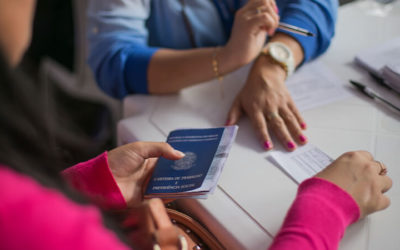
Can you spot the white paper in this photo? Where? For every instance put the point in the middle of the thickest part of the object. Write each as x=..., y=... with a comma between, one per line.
x=315, y=85
x=303, y=163
x=374, y=59
x=391, y=73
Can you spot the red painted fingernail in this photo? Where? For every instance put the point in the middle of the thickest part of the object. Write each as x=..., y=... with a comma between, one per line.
x=267, y=145
x=303, y=138
x=276, y=9
x=291, y=145
x=227, y=122
x=303, y=125
x=271, y=32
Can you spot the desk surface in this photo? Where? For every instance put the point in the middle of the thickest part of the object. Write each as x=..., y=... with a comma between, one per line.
x=249, y=212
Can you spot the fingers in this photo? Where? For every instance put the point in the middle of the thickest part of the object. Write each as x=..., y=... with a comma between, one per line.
x=149, y=224
x=167, y=237
x=279, y=126
x=381, y=168
x=262, y=14
x=159, y=214
x=157, y=149
x=383, y=203
x=267, y=21
x=234, y=113
x=274, y=9
x=386, y=183
x=284, y=124
x=293, y=126
x=259, y=3
x=359, y=175
x=297, y=114
x=366, y=154
x=258, y=120
x=265, y=16
x=273, y=5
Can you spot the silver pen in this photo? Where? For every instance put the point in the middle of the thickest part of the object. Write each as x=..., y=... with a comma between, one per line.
x=295, y=29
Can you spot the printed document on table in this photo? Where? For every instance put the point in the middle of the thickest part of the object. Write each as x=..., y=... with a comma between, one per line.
x=315, y=85
x=303, y=163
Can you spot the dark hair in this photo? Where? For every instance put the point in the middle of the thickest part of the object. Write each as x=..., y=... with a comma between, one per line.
x=29, y=144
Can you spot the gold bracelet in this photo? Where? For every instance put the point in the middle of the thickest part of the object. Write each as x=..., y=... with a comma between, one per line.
x=215, y=64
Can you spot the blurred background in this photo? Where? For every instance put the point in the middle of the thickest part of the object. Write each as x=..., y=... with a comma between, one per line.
x=56, y=61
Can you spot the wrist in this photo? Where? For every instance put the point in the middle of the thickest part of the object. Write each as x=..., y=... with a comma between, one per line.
x=292, y=43
x=280, y=54
x=229, y=60
x=269, y=69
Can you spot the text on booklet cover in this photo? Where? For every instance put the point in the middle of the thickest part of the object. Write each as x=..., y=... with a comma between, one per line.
x=202, y=148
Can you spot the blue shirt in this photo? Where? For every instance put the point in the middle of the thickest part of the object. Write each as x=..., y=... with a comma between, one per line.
x=124, y=34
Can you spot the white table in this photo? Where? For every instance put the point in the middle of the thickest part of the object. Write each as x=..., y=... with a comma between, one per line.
x=253, y=195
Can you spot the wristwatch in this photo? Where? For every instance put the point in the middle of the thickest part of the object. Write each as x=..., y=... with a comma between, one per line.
x=281, y=55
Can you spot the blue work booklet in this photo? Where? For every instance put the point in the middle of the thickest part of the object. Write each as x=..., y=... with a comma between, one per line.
x=196, y=174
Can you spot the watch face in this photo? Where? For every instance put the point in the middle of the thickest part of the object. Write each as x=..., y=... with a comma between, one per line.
x=279, y=52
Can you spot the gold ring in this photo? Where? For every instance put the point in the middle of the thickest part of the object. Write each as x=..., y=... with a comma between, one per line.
x=258, y=11
x=272, y=116
x=383, y=169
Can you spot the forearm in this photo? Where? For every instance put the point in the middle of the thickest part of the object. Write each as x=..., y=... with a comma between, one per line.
x=172, y=70
x=317, y=218
x=270, y=69
x=94, y=179
x=317, y=16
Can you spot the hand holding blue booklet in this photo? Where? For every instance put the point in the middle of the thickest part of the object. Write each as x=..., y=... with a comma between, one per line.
x=196, y=174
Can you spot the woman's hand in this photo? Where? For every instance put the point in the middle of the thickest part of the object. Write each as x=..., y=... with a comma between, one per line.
x=267, y=102
x=132, y=163
x=148, y=224
x=249, y=32
x=363, y=178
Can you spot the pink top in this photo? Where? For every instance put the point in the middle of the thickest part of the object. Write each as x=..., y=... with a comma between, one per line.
x=36, y=217
x=317, y=218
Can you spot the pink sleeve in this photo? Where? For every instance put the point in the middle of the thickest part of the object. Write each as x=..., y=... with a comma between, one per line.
x=35, y=217
x=94, y=178
x=317, y=218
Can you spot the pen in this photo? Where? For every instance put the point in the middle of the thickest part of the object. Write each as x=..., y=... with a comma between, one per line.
x=371, y=94
x=295, y=29
x=382, y=82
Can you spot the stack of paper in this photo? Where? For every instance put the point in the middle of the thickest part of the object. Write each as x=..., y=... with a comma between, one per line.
x=383, y=61
x=196, y=175
x=391, y=73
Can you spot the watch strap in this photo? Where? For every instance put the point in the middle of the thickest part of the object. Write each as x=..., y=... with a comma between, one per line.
x=286, y=63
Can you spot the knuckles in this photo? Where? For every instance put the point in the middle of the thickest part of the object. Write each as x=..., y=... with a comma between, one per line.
x=278, y=122
x=289, y=116
x=350, y=154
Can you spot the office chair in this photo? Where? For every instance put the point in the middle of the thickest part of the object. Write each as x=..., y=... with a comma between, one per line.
x=90, y=112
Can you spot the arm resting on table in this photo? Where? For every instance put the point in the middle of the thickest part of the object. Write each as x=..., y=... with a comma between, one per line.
x=317, y=218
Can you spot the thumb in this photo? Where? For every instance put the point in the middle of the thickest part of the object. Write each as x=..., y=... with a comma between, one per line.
x=157, y=149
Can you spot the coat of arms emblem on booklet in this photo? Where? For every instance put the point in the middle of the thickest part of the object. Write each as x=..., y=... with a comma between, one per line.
x=195, y=175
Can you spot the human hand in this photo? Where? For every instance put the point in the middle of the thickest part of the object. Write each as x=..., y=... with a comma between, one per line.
x=363, y=178
x=148, y=224
x=267, y=102
x=132, y=163
x=251, y=25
